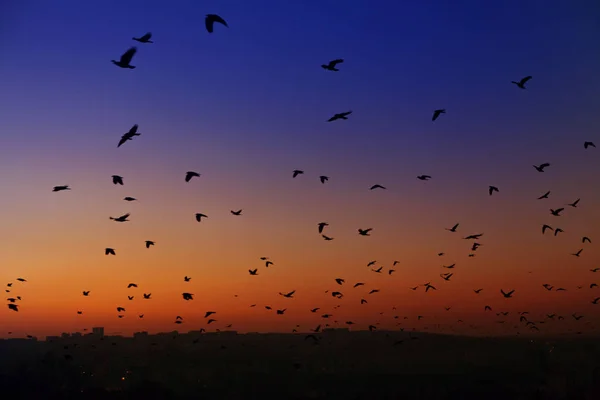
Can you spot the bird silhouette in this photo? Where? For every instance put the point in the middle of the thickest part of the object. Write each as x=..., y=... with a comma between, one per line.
x=343, y=115
x=210, y=19
x=125, y=60
x=492, y=189
x=253, y=271
x=145, y=38
x=297, y=172
x=199, y=216
x=556, y=212
x=109, y=251
x=588, y=144
x=541, y=167
x=238, y=212
x=365, y=232
x=117, y=180
x=188, y=296
x=149, y=243
x=574, y=204
x=331, y=65
x=129, y=198
x=424, y=177
x=122, y=218
x=322, y=225
x=61, y=188
x=585, y=239
x=453, y=229
x=544, y=196
x=133, y=132
x=522, y=82
x=323, y=178
x=190, y=174
x=507, y=294
x=437, y=113
x=377, y=187
x=546, y=227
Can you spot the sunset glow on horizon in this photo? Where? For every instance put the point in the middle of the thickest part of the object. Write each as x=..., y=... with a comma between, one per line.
x=247, y=105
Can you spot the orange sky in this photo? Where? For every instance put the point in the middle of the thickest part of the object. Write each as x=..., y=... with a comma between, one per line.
x=245, y=107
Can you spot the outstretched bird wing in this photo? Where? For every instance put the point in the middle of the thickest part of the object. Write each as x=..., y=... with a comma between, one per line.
x=127, y=56
x=524, y=80
x=210, y=21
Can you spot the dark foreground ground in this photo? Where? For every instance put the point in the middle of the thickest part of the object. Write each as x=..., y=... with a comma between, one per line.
x=359, y=365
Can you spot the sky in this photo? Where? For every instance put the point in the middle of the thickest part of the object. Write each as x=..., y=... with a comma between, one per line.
x=247, y=105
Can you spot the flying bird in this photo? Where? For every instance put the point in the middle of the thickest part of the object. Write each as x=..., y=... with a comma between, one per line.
x=331, y=65
x=574, y=204
x=129, y=198
x=322, y=225
x=541, y=167
x=424, y=177
x=377, y=186
x=588, y=144
x=323, y=178
x=190, y=174
x=437, y=113
x=117, y=180
x=122, y=218
x=364, y=232
x=129, y=135
x=109, y=251
x=492, y=189
x=556, y=212
x=145, y=38
x=337, y=116
x=149, y=243
x=453, y=229
x=545, y=227
x=125, y=60
x=199, y=216
x=60, y=188
x=238, y=212
x=522, y=82
x=297, y=172
x=507, y=294
x=210, y=20
x=544, y=196
x=585, y=239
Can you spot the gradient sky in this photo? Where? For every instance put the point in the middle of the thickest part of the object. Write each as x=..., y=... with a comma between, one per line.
x=247, y=105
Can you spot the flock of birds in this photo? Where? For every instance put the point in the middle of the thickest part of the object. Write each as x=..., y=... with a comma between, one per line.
x=210, y=20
